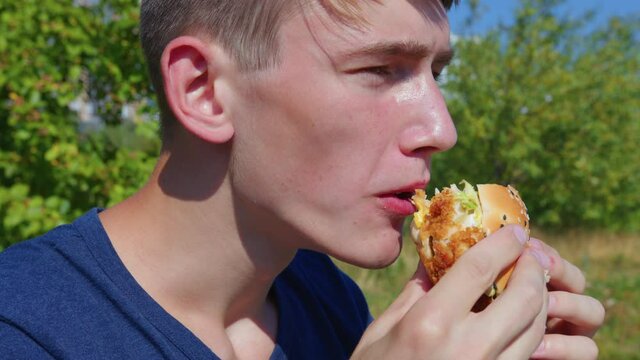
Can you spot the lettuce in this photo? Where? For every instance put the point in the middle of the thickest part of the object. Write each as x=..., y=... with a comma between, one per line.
x=468, y=200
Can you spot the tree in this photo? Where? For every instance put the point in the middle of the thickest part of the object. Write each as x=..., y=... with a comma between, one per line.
x=554, y=112
x=54, y=54
x=537, y=105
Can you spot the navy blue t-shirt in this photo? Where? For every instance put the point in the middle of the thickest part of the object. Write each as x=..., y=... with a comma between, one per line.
x=67, y=295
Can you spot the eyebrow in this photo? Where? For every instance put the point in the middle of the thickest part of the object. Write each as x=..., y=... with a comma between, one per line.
x=408, y=49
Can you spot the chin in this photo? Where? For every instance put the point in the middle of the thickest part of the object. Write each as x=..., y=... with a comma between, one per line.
x=372, y=254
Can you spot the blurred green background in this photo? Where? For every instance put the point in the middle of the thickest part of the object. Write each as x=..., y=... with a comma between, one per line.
x=546, y=103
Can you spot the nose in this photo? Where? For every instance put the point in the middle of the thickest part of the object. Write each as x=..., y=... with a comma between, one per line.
x=430, y=128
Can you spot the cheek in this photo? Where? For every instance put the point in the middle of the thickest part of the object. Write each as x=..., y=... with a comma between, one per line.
x=309, y=163
x=315, y=143
x=318, y=138
x=344, y=148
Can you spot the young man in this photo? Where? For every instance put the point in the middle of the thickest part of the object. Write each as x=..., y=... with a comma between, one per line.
x=291, y=130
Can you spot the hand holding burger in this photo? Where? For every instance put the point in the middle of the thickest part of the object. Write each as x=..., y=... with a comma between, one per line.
x=438, y=322
x=455, y=219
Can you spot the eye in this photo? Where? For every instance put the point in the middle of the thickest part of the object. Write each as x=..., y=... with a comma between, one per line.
x=380, y=75
x=378, y=70
x=374, y=76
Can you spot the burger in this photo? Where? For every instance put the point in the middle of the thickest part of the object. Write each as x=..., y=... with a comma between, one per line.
x=455, y=219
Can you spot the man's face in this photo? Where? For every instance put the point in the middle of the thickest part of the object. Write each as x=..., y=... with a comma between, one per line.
x=328, y=145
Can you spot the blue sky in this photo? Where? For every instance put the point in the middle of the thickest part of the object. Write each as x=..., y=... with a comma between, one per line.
x=494, y=11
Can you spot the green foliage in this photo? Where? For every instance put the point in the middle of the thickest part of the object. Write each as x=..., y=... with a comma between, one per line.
x=619, y=338
x=53, y=53
x=553, y=111
x=537, y=105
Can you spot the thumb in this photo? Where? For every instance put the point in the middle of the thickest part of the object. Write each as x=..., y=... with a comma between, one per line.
x=415, y=289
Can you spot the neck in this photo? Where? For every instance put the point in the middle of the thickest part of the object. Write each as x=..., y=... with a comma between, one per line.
x=186, y=243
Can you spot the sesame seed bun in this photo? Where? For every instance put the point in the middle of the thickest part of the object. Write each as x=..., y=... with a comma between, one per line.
x=453, y=220
x=501, y=205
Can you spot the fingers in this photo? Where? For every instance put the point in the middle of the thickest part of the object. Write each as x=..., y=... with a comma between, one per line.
x=521, y=310
x=528, y=340
x=415, y=288
x=477, y=269
x=566, y=347
x=584, y=314
x=564, y=275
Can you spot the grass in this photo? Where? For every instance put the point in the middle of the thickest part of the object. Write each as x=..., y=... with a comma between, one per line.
x=610, y=262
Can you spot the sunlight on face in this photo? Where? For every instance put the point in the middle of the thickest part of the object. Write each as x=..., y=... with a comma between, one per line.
x=412, y=91
x=350, y=119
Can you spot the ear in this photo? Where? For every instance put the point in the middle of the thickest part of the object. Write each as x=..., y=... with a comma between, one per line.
x=190, y=71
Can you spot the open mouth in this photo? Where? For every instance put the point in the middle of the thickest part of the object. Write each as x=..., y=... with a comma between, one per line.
x=405, y=195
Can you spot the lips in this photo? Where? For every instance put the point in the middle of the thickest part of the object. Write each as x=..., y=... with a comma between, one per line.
x=398, y=202
x=396, y=205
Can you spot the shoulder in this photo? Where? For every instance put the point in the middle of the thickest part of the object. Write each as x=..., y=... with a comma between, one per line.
x=33, y=268
x=35, y=257
x=50, y=248
x=35, y=288
x=50, y=276
x=54, y=290
x=37, y=249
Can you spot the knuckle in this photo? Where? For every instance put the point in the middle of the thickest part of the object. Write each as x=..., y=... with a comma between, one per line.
x=432, y=326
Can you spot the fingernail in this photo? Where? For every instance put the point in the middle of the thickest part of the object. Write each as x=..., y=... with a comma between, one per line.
x=521, y=234
x=543, y=259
